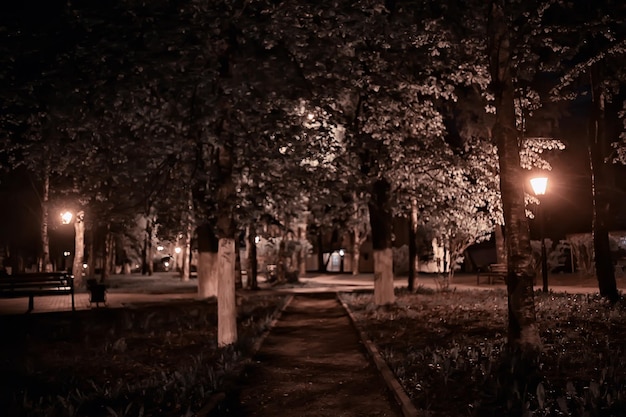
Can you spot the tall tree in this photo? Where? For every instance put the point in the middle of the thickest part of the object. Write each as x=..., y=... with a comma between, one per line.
x=523, y=330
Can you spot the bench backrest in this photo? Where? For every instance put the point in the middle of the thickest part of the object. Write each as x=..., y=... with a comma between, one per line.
x=58, y=280
x=498, y=268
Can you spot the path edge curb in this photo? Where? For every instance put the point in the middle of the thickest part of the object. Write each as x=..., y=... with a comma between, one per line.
x=400, y=395
x=259, y=342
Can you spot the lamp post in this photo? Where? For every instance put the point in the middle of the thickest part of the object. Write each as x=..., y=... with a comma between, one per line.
x=539, y=185
x=79, y=243
x=342, y=254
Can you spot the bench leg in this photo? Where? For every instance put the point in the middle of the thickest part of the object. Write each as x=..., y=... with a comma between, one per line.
x=31, y=303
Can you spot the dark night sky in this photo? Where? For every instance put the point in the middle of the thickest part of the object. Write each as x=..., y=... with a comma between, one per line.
x=568, y=204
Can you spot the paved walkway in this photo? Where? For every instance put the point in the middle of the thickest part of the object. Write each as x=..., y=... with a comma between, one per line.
x=50, y=303
x=313, y=364
x=152, y=292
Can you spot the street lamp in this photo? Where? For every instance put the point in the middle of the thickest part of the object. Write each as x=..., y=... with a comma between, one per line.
x=539, y=185
x=66, y=217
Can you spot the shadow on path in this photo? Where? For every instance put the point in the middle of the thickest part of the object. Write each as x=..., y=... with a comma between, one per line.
x=312, y=364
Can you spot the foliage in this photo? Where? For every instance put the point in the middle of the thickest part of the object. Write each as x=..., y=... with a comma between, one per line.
x=154, y=99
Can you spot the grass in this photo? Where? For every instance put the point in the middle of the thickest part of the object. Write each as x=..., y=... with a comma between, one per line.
x=148, y=359
x=448, y=349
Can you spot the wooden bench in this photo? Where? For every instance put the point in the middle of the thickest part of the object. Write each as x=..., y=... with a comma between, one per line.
x=37, y=283
x=493, y=272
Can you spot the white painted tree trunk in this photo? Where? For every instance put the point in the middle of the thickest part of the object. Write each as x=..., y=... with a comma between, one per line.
x=226, y=303
x=207, y=274
x=383, y=277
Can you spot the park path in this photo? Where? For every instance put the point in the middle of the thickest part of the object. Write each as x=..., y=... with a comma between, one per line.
x=313, y=364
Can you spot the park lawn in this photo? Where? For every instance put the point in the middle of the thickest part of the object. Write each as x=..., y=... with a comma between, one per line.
x=148, y=359
x=448, y=349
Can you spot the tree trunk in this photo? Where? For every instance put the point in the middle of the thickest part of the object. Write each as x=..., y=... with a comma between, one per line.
x=238, y=275
x=500, y=245
x=208, y=246
x=360, y=232
x=280, y=262
x=44, y=261
x=600, y=191
x=381, y=224
x=321, y=266
x=356, y=236
x=226, y=232
x=523, y=332
x=79, y=249
x=208, y=274
x=301, y=258
x=112, y=253
x=356, y=252
x=253, y=264
x=148, y=264
x=144, y=256
x=106, y=253
x=226, y=301
x=185, y=252
x=91, y=269
x=413, y=259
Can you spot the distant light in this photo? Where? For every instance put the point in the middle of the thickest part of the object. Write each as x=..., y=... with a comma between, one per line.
x=66, y=217
x=341, y=252
x=539, y=184
x=257, y=239
x=66, y=253
x=160, y=248
x=84, y=266
x=166, y=264
x=177, y=249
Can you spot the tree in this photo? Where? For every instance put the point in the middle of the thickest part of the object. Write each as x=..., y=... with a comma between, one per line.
x=523, y=331
x=589, y=42
x=461, y=216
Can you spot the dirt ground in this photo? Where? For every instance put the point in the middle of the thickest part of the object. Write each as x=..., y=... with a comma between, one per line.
x=312, y=364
